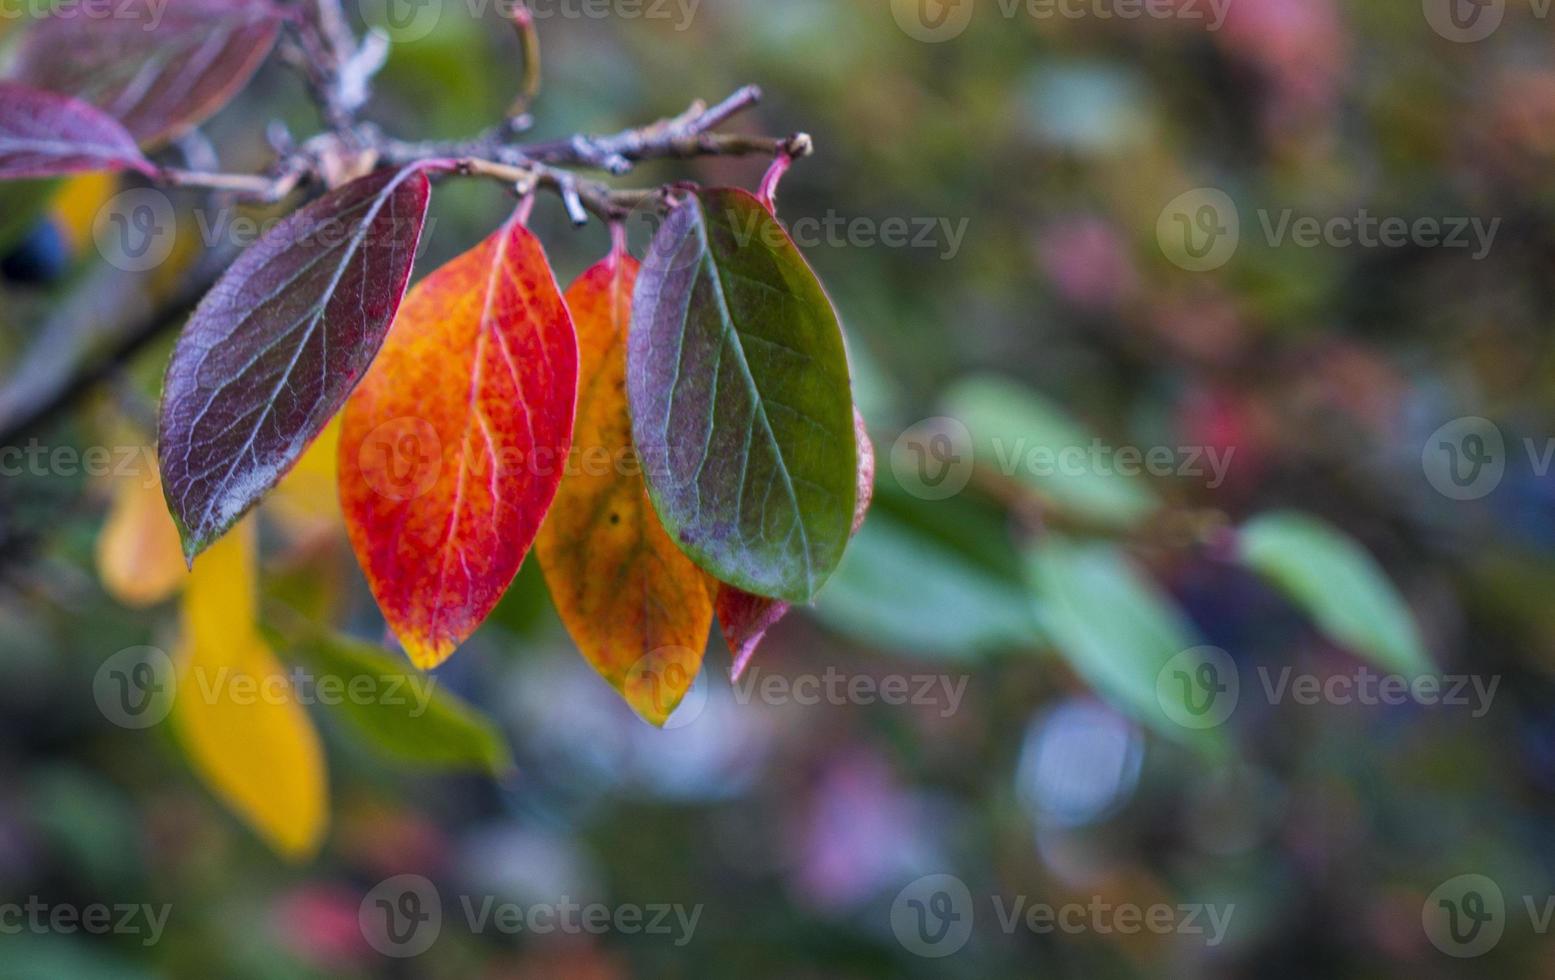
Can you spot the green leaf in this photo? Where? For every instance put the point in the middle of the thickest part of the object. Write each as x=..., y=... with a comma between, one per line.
x=1028, y=438
x=900, y=588
x=1120, y=633
x=407, y=716
x=1338, y=584
x=742, y=410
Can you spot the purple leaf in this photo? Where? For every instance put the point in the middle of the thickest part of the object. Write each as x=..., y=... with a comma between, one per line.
x=278, y=344
x=160, y=69
x=45, y=135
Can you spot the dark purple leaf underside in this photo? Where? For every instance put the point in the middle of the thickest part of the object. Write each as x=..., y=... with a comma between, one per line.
x=742, y=409
x=43, y=134
x=159, y=70
x=278, y=344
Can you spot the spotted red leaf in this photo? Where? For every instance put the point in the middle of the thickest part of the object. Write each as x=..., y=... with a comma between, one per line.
x=43, y=134
x=275, y=348
x=160, y=69
x=452, y=448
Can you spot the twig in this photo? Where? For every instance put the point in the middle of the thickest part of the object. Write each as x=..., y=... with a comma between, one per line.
x=529, y=50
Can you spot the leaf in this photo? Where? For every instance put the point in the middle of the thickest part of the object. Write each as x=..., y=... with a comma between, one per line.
x=275, y=348
x=139, y=559
x=742, y=411
x=1337, y=583
x=745, y=618
x=1028, y=439
x=453, y=446
x=235, y=713
x=160, y=69
x=638, y=609
x=306, y=503
x=408, y=718
x=1115, y=628
x=902, y=590
x=43, y=134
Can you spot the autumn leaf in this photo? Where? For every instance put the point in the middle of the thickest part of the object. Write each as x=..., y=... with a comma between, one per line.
x=638, y=609
x=44, y=134
x=454, y=444
x=306, y=503
x=743, y=618
x=235, y=712
x=139, y=559
x=159, y=70
x=275, y=348
x=742, y=409
x=421, y=724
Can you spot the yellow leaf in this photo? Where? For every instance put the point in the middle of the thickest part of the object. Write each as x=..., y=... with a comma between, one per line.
x=306, y=503
x=139, y=557
x=638, y=609
x=235, y=710
x=77, y=204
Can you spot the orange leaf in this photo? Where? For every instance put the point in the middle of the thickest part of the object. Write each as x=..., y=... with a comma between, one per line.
x=235, y=711
x=139, y=557
x=453, y=445
x=637, y=607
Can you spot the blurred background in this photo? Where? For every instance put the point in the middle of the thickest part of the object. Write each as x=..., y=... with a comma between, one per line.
x=1227, y=259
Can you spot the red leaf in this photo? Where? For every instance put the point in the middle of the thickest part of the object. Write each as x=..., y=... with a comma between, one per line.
x=744, y=618
x=276, y=346
x=43, y=134
x=453, y=446
x=159, y=69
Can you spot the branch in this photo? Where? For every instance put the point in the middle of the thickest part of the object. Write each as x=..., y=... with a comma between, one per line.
x=523, y=166
x=23, y=419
